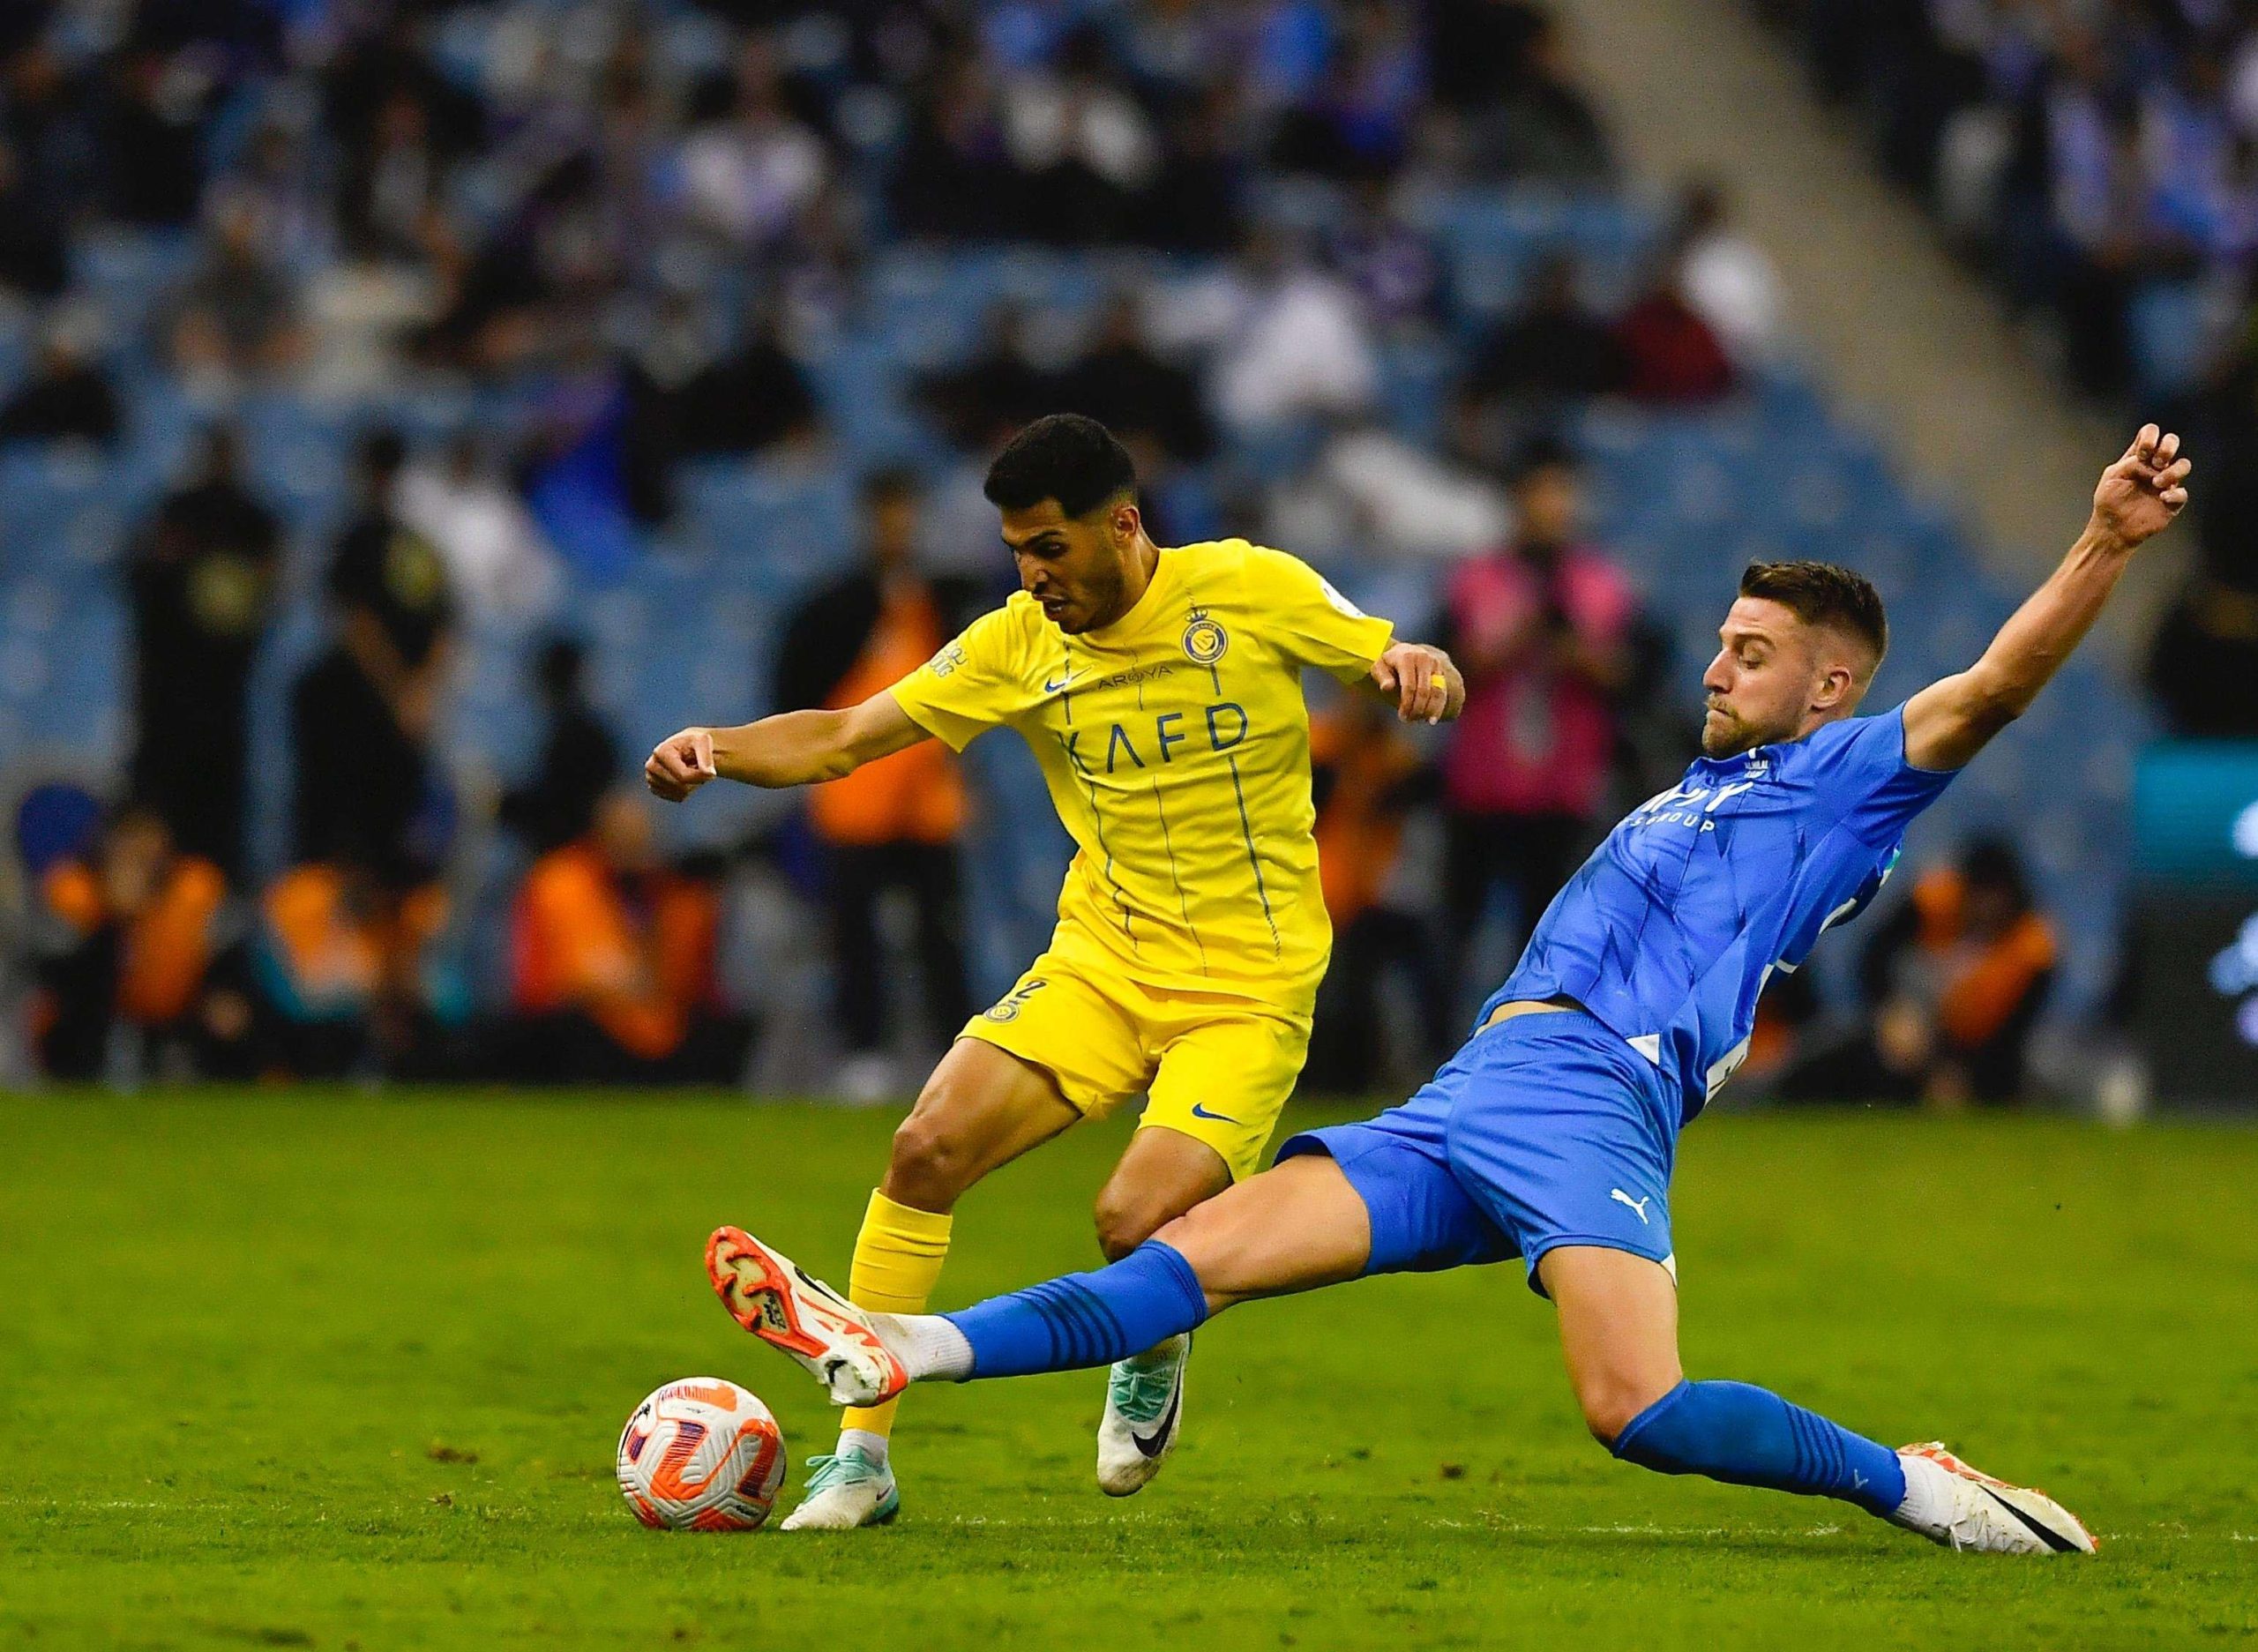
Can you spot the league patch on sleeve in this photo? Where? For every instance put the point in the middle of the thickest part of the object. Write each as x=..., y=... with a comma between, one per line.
x=1342, y=605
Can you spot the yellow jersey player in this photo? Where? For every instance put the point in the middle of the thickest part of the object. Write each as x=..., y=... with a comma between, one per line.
x=1159, y=689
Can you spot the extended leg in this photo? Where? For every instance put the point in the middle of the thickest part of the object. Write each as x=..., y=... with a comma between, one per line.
x=1619, y=1332
x=1293, y=1227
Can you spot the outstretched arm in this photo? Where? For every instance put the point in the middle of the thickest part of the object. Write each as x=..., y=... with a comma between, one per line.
x=797, y=748
x=1952, y=720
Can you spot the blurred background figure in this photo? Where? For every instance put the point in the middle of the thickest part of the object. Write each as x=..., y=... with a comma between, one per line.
x=613, y=964
x=891, y=826
x=580, y=755
x=204, y=577
x=1539, y=627
x=365, y=715
x=1368, y=779
x=1952, y=982
x=646, y=297
x=135, y=938
x=68, y=397
x=496, y=559
x=340, y=953
x=236, y=317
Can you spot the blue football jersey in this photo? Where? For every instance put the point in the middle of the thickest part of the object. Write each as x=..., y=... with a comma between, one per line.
x=1670, y=930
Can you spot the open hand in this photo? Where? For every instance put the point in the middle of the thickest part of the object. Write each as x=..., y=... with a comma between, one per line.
x=680, y=764
x=2140, y=493
x=1426, y=686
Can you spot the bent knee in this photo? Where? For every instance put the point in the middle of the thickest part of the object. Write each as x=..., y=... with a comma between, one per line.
x=1611, y=1404
x=931, y=1160
x=1126, y=1217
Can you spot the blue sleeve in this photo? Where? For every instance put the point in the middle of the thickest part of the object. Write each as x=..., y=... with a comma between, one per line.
x=1859, y=765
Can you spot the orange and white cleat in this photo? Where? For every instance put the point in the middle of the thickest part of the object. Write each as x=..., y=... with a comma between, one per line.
x=774, y=1298
x=1977, y=1513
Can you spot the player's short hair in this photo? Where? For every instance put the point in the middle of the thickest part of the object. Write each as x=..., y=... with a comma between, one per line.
x=1062, y=456
x=1823, y=593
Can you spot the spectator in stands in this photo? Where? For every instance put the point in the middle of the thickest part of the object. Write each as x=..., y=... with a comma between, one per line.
x=1729, y=280
x=579, y=757
x=34, y=257
x=497, y=560
x=151, y=138
x=68, y=397
x=614, y=963
x=1356, y=125
x=2202, y=666
x=201, y=582
x=1366, y=779
x=1389, y=261
x=1553, y=348
x=979, y=403
x=1195, y=205
x=1539, y=627
x=891, y=825
x=1294, y=344
x=136, y=937
x=1670, y=355
x=748, y=165
x=389, y=195
x=952, y=175
x=236, y=317
x=340, y=951
x=364, y=714
x=1478, y=50
x=1956, y=978
x=1084, y=149
x=1540, y=122
x=1126, y=385
x=755, y=399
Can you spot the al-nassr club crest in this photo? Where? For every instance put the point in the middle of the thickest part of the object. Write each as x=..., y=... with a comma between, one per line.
x=1204, y=641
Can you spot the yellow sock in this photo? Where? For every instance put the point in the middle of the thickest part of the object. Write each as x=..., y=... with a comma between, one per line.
x=898, y=1257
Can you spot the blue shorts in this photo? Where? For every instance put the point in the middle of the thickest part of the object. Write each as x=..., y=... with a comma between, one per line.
x=1543, y=1130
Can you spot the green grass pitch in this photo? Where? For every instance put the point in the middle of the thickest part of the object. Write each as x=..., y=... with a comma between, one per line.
x=329, y=1371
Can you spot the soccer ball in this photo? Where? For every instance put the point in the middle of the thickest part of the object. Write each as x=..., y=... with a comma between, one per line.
x=701, y=1455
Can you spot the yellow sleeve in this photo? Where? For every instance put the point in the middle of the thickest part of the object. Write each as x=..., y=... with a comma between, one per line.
x=1313, y=623
x=970, y=686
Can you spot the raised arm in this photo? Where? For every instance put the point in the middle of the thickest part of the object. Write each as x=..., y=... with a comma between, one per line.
x=797, y=748
x=1952, y=720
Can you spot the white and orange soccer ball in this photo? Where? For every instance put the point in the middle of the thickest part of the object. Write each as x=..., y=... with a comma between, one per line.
x=701, y=1455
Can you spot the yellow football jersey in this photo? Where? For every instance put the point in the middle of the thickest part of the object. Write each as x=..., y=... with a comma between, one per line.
x=1176, y=745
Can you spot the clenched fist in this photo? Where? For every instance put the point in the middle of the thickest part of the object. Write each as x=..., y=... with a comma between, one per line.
x=680, y=764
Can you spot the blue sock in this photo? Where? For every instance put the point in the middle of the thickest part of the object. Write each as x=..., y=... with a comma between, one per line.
x=1085, y=1318
x=1749, y=1436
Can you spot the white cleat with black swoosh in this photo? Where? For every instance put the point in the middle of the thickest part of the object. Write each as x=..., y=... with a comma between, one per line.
x=1144, y=1412
x=1989, y=1516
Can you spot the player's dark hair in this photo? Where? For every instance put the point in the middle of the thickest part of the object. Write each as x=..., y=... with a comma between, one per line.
x=1062, y=456
x=1822, y=593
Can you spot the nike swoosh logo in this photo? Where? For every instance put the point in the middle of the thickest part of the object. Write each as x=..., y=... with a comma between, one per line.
x=1158, y=1442
x=1060, y=687
x=2038, y=1529
x=1200, y=1110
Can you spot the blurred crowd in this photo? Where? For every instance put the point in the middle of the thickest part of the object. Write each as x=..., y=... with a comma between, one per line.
x=2101, y=160
x=650, y=219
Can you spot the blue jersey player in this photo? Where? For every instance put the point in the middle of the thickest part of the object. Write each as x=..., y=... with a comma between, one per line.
x=1551, y=1134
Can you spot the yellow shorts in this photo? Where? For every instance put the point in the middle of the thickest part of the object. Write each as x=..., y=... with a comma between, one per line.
x=1218, y=1068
